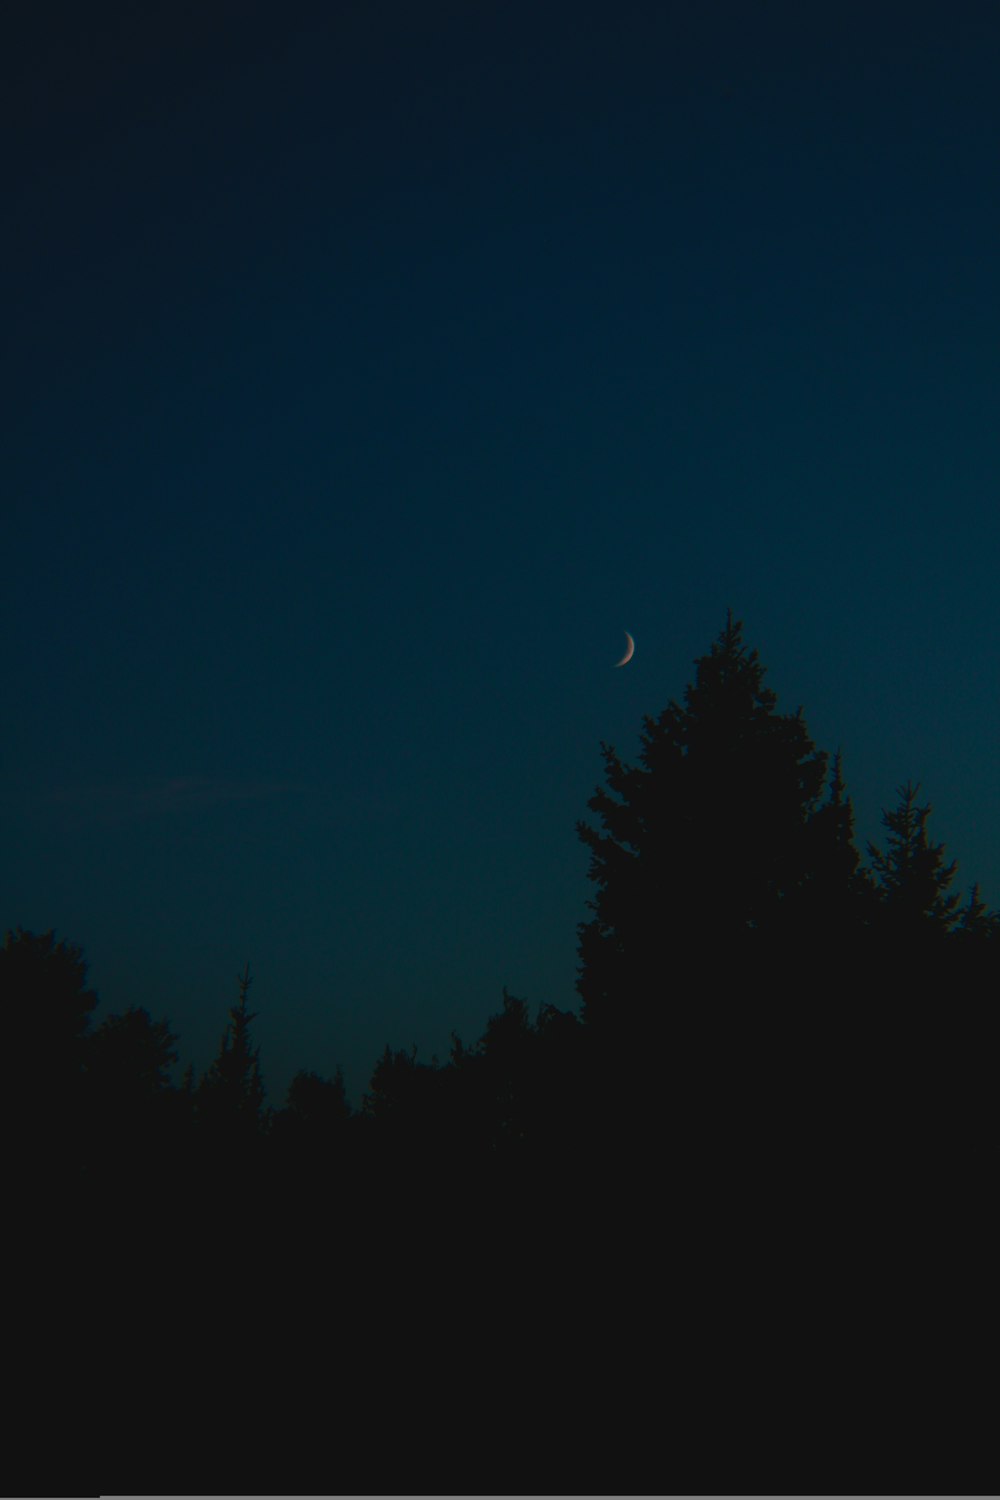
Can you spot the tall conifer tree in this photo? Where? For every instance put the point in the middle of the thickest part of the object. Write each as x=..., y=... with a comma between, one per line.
x=716, y=849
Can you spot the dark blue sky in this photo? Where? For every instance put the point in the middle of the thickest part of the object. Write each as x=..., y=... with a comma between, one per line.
x=369, y=369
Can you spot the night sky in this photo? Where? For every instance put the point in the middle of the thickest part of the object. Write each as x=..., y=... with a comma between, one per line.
x=369, y=370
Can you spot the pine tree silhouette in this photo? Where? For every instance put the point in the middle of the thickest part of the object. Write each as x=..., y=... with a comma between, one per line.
x=134, y=1112
x=912, y=877
x=45, y=1009
x=716, y=849
x=230, y=1097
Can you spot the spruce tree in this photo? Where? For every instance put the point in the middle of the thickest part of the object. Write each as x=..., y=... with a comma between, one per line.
x=911, y=876
x=928, y=1029
x=975, y=921
x=231, y=1094
x=717, y=851
x=45, y=1012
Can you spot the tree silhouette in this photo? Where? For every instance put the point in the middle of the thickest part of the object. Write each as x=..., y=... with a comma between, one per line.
x=975, y=920
x=715, y=849
x=45, y=1009
x=506, y=1056
x=930, y=1020
x=131, y=1054
x=311, y=1150
x=517, y=1090
x=232, y=1089
x=406, y=1104
x=44, y=998
x=319, y=1105
x=135, y=1114
x=912, y=877
x=229, y=1109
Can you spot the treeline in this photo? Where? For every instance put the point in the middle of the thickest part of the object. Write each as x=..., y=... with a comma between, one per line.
x=739, y=954
x=784, y=1050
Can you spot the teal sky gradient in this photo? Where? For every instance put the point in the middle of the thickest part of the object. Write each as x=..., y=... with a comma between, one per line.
x=369, y=370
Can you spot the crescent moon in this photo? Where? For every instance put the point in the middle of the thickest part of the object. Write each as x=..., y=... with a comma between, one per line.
x=628, y=653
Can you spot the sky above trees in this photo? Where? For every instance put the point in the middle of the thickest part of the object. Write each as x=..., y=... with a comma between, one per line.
x=369, y=371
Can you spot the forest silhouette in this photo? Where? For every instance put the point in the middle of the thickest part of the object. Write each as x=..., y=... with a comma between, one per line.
x=748, y=1160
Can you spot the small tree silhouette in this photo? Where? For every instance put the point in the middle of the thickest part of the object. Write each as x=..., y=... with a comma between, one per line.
x=975, y=920
x=231, y=1094
x=133, y=1109
x=130, y=1054
x=911, y=876
x=45, y=1009
x=318, y=1105
x=44, y=999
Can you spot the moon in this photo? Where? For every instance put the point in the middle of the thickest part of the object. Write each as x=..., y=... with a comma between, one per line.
x=628, y=653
